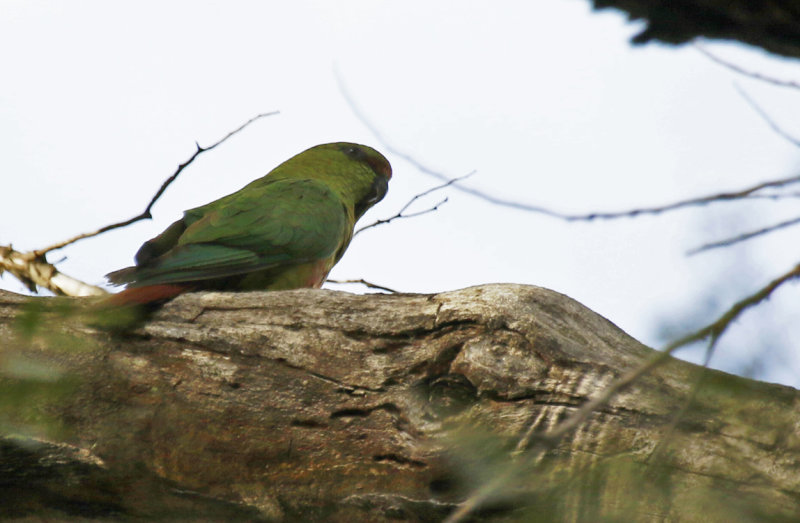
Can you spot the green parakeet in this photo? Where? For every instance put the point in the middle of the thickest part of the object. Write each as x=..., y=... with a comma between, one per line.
x=285, y=230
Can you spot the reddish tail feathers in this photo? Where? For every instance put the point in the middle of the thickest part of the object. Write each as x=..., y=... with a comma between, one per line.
x=147, y=295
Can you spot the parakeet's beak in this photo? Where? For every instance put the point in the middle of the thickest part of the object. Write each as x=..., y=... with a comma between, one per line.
x=376, y=193
x=379, y=188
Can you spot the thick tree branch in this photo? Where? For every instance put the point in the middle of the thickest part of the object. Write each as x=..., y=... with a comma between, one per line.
x=532, y=443
x=316, y=405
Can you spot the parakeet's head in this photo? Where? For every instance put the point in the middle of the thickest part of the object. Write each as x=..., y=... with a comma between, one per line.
x=380, y=167
x=359, y=173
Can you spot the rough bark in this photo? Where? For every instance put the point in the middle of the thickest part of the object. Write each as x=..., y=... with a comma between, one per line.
x=773, y=25
x=321, y=405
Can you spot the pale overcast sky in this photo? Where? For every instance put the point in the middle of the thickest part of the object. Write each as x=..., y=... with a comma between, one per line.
x=546, y=101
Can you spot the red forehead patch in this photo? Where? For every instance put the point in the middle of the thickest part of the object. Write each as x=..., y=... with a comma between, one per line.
x=380, y=165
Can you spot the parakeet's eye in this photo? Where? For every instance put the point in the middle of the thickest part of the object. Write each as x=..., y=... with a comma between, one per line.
x=354, y=152
x=376, y=161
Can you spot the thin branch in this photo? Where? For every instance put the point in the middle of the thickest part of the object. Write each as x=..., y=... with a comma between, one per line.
x=666, y=436
x=354, y=107
x=32, y=268
x=366, y=283
x=764, y=116
x=400, y=214
x=773, y=196
x=434, y=189
x=712, y=331
x=703, y=200
x=480, y=496
x=513, y=204
x=742, y=237
x=632, y=213
x=744, y=72
x=145, y=215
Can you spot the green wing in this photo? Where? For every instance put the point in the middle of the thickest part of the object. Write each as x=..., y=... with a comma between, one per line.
x=285, y=222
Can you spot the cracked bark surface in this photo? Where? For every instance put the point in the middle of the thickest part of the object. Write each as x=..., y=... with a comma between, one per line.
x=321, y=405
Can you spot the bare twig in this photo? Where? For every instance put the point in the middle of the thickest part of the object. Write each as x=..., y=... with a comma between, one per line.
x=773, y=196
x=400, y=214
x=764, y=116
x=742, y=237
x=712, y=332
x=366, y=283
x=144, y=215
x=718, y=327
x=434, y=189
x=32, y=268
x=744, y=72
x=480, y=496
x=666, y=436
x=425, y=169
x=704, y=200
